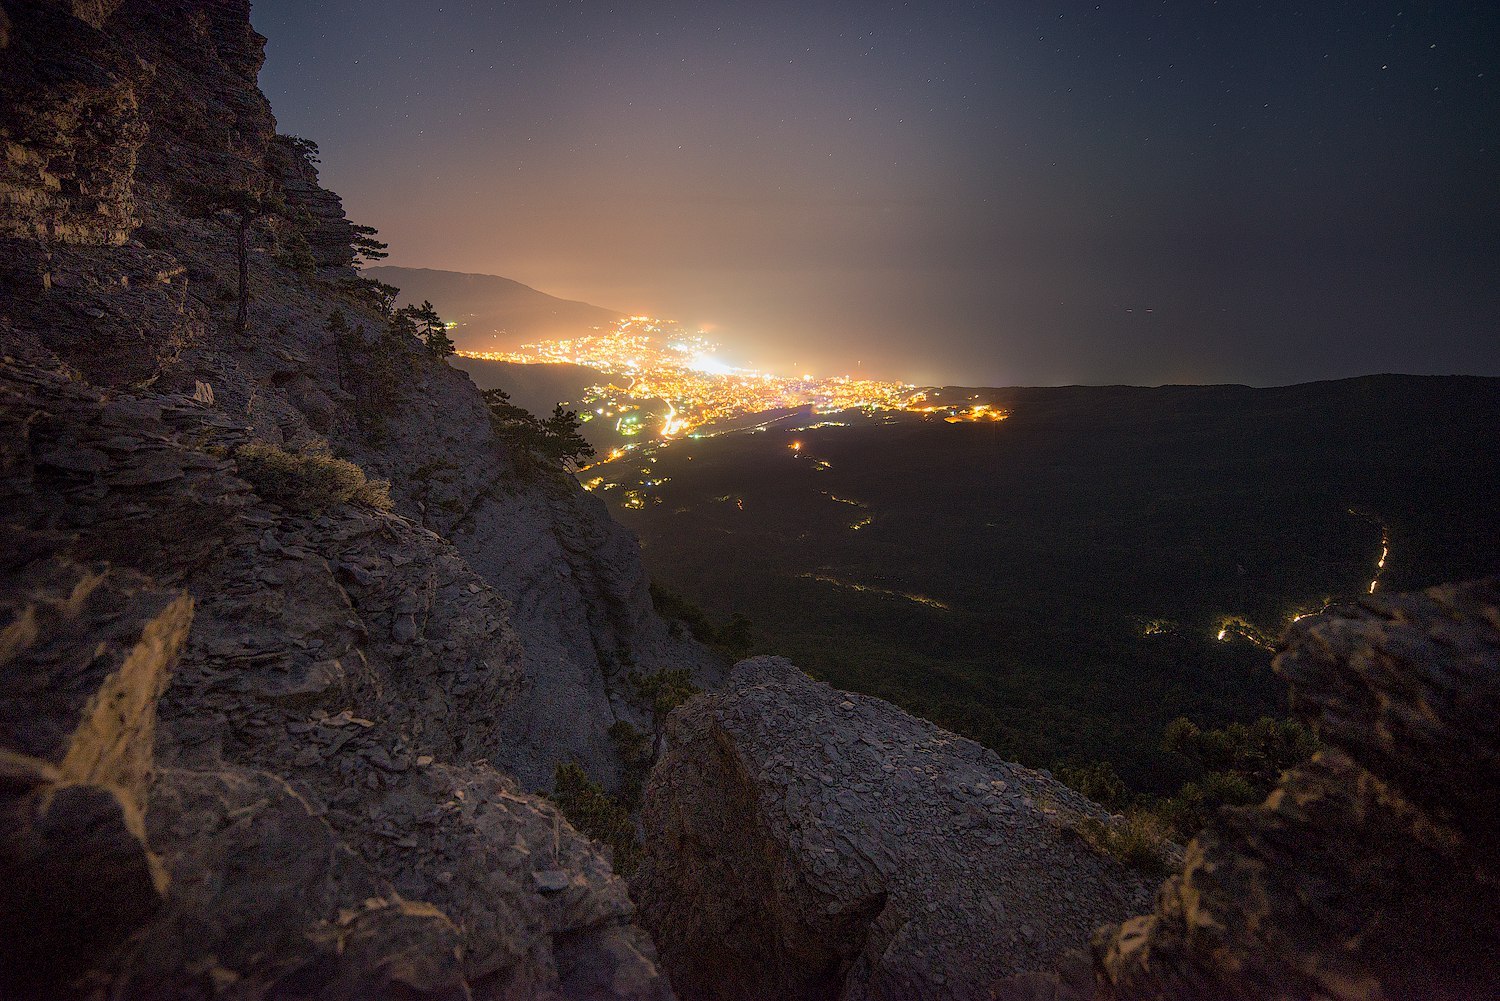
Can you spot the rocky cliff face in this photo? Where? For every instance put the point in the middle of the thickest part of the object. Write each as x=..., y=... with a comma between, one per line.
x=267, y=742
x=297, y=739
x=134, y=294
x=1370, y=872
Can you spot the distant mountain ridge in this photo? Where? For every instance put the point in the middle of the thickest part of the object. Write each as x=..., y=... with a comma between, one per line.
x=494, y=313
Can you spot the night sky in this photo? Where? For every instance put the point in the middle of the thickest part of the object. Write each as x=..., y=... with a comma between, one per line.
x=976, y=193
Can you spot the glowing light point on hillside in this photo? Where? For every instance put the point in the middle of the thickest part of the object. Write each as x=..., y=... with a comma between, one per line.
x=673, y=424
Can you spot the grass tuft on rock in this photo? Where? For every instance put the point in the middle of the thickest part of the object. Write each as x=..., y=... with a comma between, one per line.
x=1137, y=838
x=310, y=480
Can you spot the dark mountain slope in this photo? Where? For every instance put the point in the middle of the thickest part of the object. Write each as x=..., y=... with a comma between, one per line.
x=494, y=313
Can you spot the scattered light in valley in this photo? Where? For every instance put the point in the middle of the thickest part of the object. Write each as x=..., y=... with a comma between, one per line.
x=665, y=384
x=849, y=585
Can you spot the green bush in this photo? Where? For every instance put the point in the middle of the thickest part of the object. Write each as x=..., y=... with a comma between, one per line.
x=635, y=754
x=597, y=814
x=296, y=254
x=1196, y=803
x=682, y=613
x=733, y=639
x=1240, y=765
x=1260, y=751
x=378, y=371
x=310, y=480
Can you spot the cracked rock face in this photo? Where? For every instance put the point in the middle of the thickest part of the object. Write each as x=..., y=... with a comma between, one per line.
x=1369, y=872
x=133, y=294
x=85, y=652
x=71, y=132
x=269, y=777
x=803, y=842
x=300, y=744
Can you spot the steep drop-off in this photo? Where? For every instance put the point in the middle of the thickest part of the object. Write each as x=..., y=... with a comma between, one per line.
x=1370, y=871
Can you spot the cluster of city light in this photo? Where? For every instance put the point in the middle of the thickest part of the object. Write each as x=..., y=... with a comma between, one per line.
x=959, y=415
x=647, y=359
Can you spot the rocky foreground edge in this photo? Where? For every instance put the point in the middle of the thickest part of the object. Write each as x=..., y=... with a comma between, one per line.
x=1371, y=871
x=807, y=843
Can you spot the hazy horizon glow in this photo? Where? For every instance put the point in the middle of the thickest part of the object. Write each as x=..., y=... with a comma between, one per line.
x=960, y=193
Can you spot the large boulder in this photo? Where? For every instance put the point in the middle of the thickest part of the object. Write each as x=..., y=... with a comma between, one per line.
x=803, y=842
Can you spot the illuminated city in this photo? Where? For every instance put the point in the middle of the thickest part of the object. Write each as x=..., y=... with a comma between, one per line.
x=665, y=383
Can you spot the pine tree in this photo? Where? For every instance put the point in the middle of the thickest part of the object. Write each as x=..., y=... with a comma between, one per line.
x=563, y=442
x=553, y=441
x=431, y=329
x=240, y=207
x=365, y=246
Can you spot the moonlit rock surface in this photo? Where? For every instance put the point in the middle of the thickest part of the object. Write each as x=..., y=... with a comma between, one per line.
x=804, y=842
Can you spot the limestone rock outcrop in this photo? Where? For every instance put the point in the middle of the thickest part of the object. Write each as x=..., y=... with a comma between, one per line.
x=301, y=741
x=1369, y=872
x=105, y=271
x=85, y=653
x=72, y=129
x=270, y=775
x=803, y=842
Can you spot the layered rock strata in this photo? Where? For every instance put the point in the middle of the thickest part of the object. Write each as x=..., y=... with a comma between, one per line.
x=124, y=285
x=251, y=747
x=270, y=775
